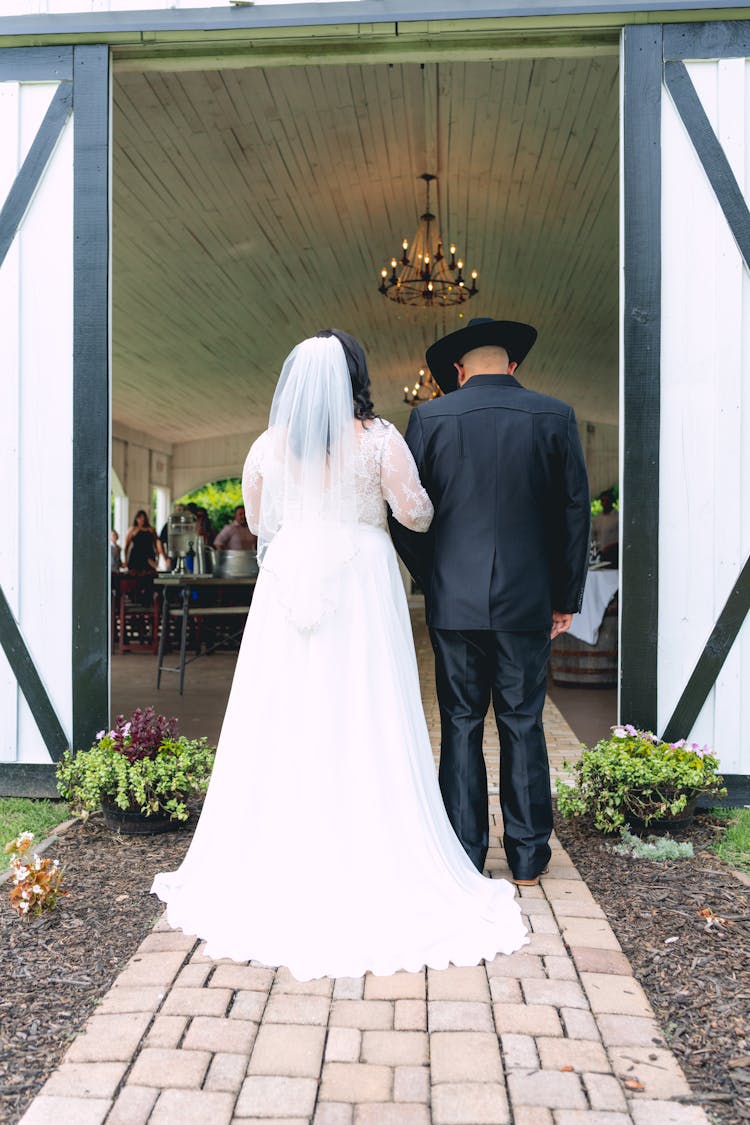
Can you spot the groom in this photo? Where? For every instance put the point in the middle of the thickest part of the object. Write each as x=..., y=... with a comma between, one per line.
x=503, y=569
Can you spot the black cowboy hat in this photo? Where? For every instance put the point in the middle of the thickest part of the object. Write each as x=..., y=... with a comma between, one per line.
x=481, y=332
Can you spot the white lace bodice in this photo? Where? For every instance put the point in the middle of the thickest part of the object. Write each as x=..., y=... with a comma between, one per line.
x=385, y=474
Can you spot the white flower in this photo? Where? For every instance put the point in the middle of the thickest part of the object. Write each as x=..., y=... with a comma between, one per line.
x=25, y=837
x=24, y=894
x=20, y=874
x=99, y=734
x=37, y=862
x=37, y=890
x=23, y=907
x=619, y=732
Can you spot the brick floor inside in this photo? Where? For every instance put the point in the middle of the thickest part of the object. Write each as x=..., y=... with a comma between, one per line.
x=558, y=1034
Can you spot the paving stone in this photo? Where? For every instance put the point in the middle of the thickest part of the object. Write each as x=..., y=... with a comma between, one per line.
x=531, y=892
x=216, y=1033
x=536, y=907
x=469, y=1103
x=532, y=1115
x=242, y=978
x=549, y=1088
x=398, y=986
x=465, y=1056
x=196, y=1002
x=157, y=1066
x=133, y=1106
x=387, y=1113
x=580, y=1054
x=297, y=1009
x=605, y=1092
x=344, y=1044
x=592, y=933
x=410, y=1015
x=166, y=1031
x=616, y=995
x=456, y=1015
x=333, y=1113
x=505, y=990
x=601, y=961
x=411, y=1084
x=85, y=1080
x=118, y=1000
x=560, y=968
x=248, y=1006
x=226, y=1072
x=590, y=1117
x=66, y=1111
x=458, y=984
x=657, y=1069
x=395, y=1048
x=523, y=966
x=567, y=993
x=275, y=1120
x=579, y=1024
x=144, y=969
x=348, y=988
x=192, y=976
x=646, y=1111
x=543, y=924
x=192, y=1107
x=199, y=957
x=293, y=1050
x=356, y=1082
x=565, y=890
x=266, y=1096
x=629, y=1031
x=577, y=908
x=534, y=1019
x=375, y=1015
x=109, y=1038
x=519, y=1051
x=167, y=941
x=285, y=982
x=548, y=945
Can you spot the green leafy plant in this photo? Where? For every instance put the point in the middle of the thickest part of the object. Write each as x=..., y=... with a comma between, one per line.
x=635, y=775
x=658, y=849
x=36, y=884
x=219, y=498
x=141, y=765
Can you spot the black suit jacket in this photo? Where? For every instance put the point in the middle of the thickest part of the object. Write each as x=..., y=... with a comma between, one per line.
x=505, y=472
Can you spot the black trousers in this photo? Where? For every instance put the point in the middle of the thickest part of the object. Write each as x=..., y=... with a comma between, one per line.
x=472, y=667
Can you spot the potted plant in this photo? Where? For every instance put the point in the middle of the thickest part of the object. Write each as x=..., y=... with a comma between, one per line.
x=141, y=773
x=635, y=778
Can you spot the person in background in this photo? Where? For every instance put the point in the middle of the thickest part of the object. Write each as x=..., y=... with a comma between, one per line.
x=164, y=533
x=142, y=545
x=236, y=536
x=114, y=552
x=204, y=528
x=606, y=529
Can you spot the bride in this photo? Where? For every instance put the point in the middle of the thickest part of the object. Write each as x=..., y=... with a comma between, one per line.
x=323, y=843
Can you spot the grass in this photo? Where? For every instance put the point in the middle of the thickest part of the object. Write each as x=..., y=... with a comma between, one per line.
x=734, y=845
x=22, y=814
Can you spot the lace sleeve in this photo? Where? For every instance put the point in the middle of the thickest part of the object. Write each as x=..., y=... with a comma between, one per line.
x=252, y=483
x=401, y=485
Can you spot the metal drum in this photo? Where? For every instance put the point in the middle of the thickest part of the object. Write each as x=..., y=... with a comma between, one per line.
x=235, y=564
x=573, y=663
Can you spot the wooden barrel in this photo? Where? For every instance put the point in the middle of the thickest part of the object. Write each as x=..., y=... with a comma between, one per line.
x=573, y=663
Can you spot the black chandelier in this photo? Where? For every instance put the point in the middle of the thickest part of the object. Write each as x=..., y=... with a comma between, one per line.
x=423, y=277
x=424, y=388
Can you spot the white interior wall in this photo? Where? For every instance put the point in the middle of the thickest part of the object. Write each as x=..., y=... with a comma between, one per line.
x=141, y=462
x=600, y=442
x=197, y=462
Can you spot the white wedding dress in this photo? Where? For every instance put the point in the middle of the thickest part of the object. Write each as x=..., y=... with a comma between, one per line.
x=323, y=843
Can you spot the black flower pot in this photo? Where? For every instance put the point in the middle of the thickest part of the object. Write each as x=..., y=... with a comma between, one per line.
x=663, y=824
x=132, y=822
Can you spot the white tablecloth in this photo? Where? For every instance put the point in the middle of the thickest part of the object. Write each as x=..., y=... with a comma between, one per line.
x=601, y=587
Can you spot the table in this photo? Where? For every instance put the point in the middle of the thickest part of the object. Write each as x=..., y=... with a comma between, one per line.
x=586, y=656
x=185, y=584
x=601, y=587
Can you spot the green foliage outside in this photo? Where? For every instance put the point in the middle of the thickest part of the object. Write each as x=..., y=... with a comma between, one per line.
x=635, y=775
x=219, y=498
x=22, y=814
x=734, y=845
x=596, y=504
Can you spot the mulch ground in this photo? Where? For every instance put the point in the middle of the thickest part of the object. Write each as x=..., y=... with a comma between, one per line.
x=54, y=969
x=685, y=928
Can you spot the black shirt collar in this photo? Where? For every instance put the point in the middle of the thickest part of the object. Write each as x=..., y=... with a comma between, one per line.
x=490, y=381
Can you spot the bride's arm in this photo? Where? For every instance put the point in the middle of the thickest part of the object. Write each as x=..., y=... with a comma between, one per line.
x=401, y=485
x=252, y=484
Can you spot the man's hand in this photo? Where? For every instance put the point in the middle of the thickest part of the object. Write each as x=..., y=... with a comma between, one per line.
x=560, y=623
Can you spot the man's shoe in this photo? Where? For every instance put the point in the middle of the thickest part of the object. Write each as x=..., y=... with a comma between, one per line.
x=530, y=882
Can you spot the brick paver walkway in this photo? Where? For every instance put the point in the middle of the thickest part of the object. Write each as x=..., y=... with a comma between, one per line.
x=559, y=1034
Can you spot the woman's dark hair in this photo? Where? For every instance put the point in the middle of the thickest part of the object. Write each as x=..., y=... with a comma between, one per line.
x=358, y=373
x=141, y=512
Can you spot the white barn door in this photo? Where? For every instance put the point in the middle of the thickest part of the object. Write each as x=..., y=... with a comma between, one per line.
x=686, y=379
x=54, y=412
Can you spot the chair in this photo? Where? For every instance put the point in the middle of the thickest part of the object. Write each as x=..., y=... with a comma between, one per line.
x=137, y=614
